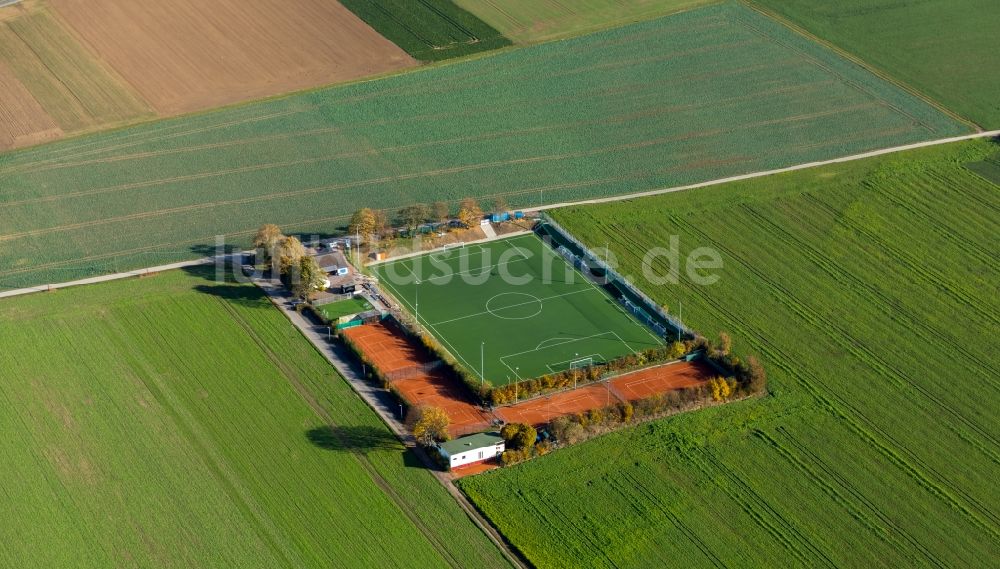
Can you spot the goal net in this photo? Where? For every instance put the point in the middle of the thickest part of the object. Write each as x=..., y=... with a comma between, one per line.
x=581, y=363
x=450, y=246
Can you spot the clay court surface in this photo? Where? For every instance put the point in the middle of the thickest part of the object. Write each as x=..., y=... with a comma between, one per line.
x=542, y=410
x=661, y=379
x=475, y=468
x=188, y=55
x=395, y=354
x=630, y=387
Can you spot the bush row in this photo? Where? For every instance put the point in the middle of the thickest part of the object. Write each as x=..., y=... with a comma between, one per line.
x=572, y=429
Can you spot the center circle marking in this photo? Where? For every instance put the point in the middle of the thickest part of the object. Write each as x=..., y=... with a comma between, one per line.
x=521, y=300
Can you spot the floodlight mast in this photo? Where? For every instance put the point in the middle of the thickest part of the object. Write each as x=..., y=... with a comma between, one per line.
x=482, y=365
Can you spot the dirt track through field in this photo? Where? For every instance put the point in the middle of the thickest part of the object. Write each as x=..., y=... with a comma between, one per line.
x=189, y=55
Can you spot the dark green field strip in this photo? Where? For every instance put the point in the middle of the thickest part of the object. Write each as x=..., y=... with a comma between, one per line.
x=988, y=168
x=429, y=30
x=941, y=48
x=197, y=401
x=683, y=99
x=867, y=289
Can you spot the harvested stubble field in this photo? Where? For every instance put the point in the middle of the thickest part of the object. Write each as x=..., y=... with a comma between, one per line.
x=429, y=30
x=945, y=49
x=189, y=55
x=174, y=421
x=686, y=98
x=869, y=289
x=537, y=20
x=98, y=64
x=51, y=84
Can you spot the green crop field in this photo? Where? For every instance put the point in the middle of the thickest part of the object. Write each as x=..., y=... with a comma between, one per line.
x=429, y=30
x=944, y=48
x=178, y=422
x=513, y=309
x=869, y=291
x=691, y=97
x=537, y=20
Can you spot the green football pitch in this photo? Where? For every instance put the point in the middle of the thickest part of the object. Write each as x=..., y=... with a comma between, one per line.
x=513, y=309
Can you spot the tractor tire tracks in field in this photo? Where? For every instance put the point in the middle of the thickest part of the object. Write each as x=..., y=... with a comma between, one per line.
x=307, y=396
x=925, y=475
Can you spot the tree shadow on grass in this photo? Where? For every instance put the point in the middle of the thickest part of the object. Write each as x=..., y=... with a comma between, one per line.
x=352, y=438
x=237, y=294
x=225, y=286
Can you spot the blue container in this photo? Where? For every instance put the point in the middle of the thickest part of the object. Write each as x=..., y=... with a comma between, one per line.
x=505, y=216
x=518, y=215
x=495, y=218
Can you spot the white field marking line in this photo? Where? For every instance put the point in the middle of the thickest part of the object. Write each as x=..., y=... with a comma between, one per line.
x=447, y=252
x=437, y=333
x=485, y=312
x=540, y=346
x=627, y=346
x=428, y=252
x=469, y=271
x=516, y=249
x=558, y=344
x=614, y=301
x=842, y=159
x=481, y=270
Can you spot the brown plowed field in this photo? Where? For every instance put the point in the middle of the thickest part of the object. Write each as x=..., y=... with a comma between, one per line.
x=392, y=352
x=22, y=120
x=540, y=411
x=188, y=55
x=662, y=379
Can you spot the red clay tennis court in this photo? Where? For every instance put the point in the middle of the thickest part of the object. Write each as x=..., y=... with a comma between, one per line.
x=661, y=379
x=387, y=347
x=474, y=468
x=394, y=353
x=437, y=390
x=542, y=410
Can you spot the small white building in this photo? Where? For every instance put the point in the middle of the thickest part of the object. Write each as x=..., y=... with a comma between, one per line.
x=472, y=449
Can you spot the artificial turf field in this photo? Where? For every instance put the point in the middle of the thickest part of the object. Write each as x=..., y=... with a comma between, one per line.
x=513, y=309
x=175, y=421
